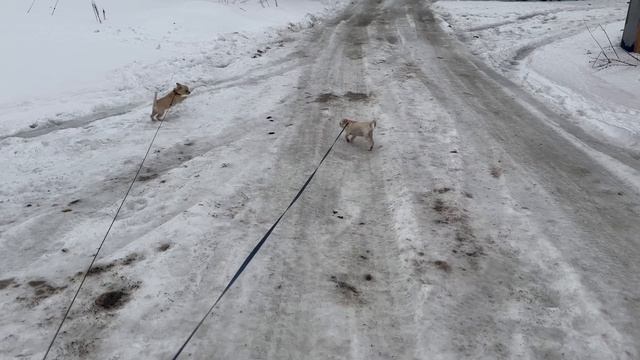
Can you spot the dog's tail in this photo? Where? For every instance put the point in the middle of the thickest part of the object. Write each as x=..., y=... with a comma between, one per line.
x=373, y=124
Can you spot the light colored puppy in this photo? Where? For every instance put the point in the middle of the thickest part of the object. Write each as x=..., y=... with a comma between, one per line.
x=358, y=128
x=161, y=106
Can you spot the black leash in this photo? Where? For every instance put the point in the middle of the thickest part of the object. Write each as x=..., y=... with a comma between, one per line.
x=255, y=250
x=66, y=314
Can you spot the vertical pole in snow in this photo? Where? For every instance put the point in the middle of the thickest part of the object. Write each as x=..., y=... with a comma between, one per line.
x=631, y=35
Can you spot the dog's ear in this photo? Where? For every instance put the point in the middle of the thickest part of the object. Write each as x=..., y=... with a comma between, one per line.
x=178, y=84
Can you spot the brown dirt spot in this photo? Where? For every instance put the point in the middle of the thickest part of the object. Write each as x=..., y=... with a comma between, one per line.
x=496, y=171
x=73, y=202
x=356, y=96
x=131, y=258
x=164, y=247
x=442, y=265
x=326, y=97
x=349, y=292
x=82, y=348
x=368, y=277
x=147, y=177
x=439, y=206
x=101, y=268
x=450, y=214
x=6, y=282
x=442, y=190
x=112, y=299
x=466, y=243
x=66, y=210
x=43, y=290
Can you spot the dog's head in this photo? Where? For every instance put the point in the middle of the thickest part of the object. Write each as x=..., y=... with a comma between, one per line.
x=345, y=122
x=182, y=90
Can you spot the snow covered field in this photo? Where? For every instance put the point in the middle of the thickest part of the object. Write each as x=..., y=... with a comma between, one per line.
x=546, y=47
x=70, y=65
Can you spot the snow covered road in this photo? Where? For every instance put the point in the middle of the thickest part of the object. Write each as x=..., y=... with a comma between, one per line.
x=475, y=229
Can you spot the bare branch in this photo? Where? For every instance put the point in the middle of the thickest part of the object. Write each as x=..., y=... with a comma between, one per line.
x=55, y=6
x=624, y=62
x=633, y=56
x=595, y=61
x=596, y=40
x=29, y=10
x=607, y=35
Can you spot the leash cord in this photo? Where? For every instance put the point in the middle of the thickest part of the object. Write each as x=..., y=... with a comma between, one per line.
x=66, y=314
x=255, y=250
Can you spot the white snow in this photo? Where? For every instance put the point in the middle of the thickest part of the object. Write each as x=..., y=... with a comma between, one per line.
x=545, y=46
x=74, y=125
x=69, y=64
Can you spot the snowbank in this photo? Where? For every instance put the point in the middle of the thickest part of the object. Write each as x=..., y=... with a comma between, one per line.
x=548, y=49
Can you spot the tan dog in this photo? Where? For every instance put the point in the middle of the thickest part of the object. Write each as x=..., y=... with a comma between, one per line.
x=358, y=128
x=161, y=106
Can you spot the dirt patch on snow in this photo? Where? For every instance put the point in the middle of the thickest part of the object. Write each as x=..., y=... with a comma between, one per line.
x=348, y=292
x=356, y=96
x=442, y=265
x=449, y=214
x=442, y=190
x=112, y=300
x=326, y=97
x=98, y=269
x=496, y=171
x=41, y=290
x=147, y=177
x=466, y=244
x=349, y=96
x=6, y=282
x=164, y=247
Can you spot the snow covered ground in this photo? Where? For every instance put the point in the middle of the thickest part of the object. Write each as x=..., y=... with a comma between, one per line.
x=74, y=125
x=545, y=46
x=472, y=230
x=71, y=66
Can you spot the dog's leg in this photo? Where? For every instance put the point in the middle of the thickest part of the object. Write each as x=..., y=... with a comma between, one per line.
x=154, y=111
x=346, y=136
x=371, y=140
